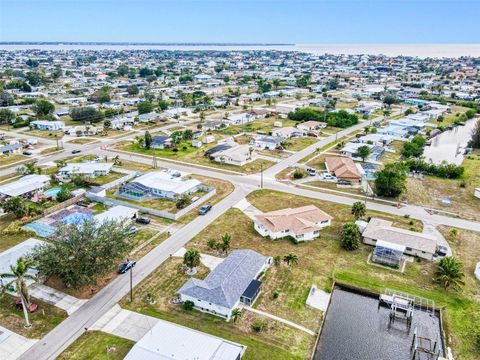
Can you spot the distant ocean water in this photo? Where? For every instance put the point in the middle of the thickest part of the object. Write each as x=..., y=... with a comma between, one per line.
x=420, y=50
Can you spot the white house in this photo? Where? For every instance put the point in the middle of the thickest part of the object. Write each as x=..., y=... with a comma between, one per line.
x=415, y=243
x=303, y=223
x=284, y=108
x=232, y=282
x=47, y=125
x=311, y=126
x=286, y=132
x=166, y=184
x=118, y=213
x=268, y=142
x=168, y=341
x=87, y=169
x=235, y=155
x=26, y=185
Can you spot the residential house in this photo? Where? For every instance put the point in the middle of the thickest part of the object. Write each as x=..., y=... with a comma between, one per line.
x=25, y=186
x=237, y=155
x=165, y=184
x=350, y=150
x=344, y=169
x=308, y=126
x=10, y=149
x=86, y=169
x=415, y=243
x=161, y=142
x=169, y=341
x=268, y=142
x=47, y=125
x=286, y=132
x=233, y=282
x=303, y=223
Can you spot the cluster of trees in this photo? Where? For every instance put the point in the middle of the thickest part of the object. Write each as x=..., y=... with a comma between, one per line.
x=6, y=116
x=350, y=237
x=341, y=119
x=414, y=147
x=447, y=171
x=19, y=207
x=87, y=114
x=102, y=95
x=80, y=254
x=145, y=107
x=391, y=180
x=43, y=108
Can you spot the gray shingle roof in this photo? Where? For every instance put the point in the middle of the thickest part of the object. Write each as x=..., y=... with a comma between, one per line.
x=224, y=285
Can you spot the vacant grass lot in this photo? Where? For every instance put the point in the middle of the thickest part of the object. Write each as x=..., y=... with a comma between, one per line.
x=299, y=143
x=10, y=159
x=260, y=125
x=44, y=134
x=450, y=119
x=322, y=261
x=82, y=140
x=431, y=190
x=276, y=339
x=43, y=320
x=97, y=345
x=183, y=150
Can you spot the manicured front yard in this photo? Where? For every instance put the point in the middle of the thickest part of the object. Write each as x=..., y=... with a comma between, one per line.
x=97, y=345
x=43, y=320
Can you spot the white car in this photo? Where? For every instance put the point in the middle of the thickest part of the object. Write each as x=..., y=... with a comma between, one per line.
x=328, y=177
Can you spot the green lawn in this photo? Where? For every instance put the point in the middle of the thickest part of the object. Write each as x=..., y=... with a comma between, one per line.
x=450, y=119
x=44, y=134
x=9, y=240
x=300, y=143
x=183, y=150
x=105, y=179
x=260, y=125
x=43, y=320
x=96, y=345
x=10, y=159
x=82, y=140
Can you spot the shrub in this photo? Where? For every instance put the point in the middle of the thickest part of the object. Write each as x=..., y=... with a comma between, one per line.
x=275, y=294
x=258, y=326
x=298, y=174
x=188, y=305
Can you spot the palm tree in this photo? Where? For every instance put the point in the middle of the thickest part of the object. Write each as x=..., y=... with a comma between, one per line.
x=191, y=258
x=449, y=273
x=226, y=241
x=290, y=259
x=18, y=275
x=236, y=314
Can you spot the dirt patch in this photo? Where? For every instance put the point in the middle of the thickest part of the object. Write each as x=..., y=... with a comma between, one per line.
x=85, y=292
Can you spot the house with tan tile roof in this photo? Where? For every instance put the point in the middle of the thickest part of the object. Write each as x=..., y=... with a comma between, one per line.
x=303, y=223
x=343, y=168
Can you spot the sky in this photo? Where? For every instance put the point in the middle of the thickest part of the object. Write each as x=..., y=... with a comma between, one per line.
x=242, y=21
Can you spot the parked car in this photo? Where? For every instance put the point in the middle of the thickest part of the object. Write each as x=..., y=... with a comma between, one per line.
x=28, y=153
x=125, y=266
x=442, y=250
x=76, y=151
x=132, y=230
x=311, y=172
x=143, y=220
x=204, y=209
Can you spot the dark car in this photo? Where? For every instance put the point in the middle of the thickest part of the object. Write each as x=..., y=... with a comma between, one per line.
x=76, y=151
x=28, y=153
x=204, y=209
x=143, y=220
x=127, y=265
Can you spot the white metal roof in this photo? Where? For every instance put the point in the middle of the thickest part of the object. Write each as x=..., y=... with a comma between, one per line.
x=168, y=341
x=167, y=181
x=116, y=213
x=389, y=245
x=24, y=185
x=86, y=168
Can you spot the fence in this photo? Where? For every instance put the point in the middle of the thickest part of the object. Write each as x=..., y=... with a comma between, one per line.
x=154, y=212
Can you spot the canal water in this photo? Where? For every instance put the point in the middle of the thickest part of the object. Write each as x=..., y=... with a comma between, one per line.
x=356, y=328
x=449, y=146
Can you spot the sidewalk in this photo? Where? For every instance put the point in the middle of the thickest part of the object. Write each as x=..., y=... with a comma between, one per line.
x=12, y=345
x=56, y=298
x=287, y=322
x=247, y=208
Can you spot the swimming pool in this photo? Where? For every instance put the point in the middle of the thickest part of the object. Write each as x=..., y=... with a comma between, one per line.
x=53, y=191
x=41, y=229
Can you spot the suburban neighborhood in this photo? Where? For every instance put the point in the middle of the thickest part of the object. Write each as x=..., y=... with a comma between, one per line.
x=238, y=204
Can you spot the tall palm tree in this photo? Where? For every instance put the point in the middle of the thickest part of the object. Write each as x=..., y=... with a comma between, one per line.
x=290, y=259
x=191, y=258
x=226, y=242
x=19, y=276
x=449, y=273
x=236, y=314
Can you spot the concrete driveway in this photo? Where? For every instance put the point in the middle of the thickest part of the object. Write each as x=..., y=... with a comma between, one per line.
x=12, y=345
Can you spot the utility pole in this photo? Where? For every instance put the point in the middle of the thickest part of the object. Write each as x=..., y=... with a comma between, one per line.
x=131, y=284
x=261, y=176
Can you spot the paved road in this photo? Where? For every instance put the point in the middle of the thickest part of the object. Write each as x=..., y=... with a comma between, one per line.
x=71, y=328
x=64, y=334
